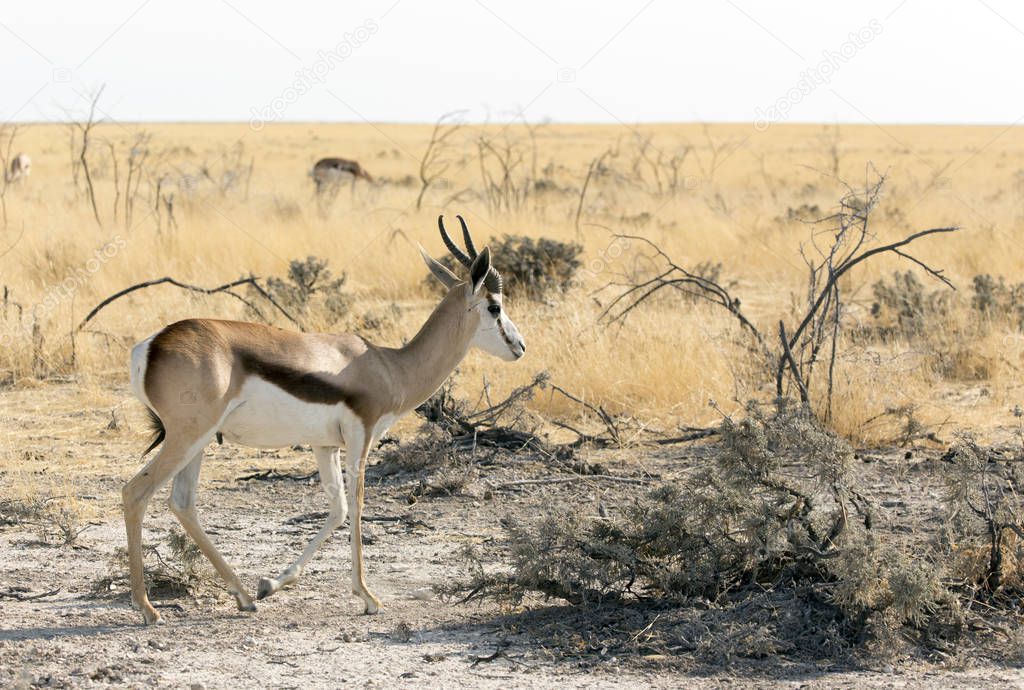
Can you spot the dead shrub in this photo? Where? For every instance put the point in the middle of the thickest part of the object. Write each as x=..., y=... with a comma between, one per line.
x=536, y=269
x=776, y=510
x=432, y=448
x=14, y=511
x=985, y=516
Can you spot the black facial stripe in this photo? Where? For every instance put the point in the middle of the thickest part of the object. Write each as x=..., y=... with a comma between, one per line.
x=492, y=302
x=504, y=336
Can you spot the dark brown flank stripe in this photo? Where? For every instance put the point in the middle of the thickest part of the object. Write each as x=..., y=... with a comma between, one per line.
x=306, y=386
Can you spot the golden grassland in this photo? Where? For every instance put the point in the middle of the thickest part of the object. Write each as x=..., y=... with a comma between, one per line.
x=735, y=201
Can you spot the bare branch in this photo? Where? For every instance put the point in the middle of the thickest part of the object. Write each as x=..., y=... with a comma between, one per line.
x=431, y=165
x=225, y=289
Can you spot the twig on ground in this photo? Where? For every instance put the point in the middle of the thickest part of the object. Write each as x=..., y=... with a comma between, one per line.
x=20, y=594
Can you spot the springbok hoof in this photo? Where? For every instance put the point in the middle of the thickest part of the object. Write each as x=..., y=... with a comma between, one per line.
x=373, y=606
x=265, y=588
x=244, y=602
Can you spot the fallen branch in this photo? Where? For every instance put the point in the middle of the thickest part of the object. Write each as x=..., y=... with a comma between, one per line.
x=274, y=475
x=694, y=435
x=20, y=594
x=609, y=422
x=787, y=354
x=498, y=653
x=567, y=480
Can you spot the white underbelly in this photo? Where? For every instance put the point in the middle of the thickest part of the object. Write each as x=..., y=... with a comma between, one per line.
x=264, y=416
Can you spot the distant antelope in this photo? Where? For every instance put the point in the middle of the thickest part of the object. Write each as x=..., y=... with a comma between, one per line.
x=21, y=167
x=269, y=388
x=329, y=171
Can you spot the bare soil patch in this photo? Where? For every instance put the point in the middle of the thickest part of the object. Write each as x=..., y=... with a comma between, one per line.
x=312, y=634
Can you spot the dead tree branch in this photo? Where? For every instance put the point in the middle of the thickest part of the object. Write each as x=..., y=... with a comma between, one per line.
x=595, y=167
x=221, y=289
x=819, y=327
x=86, y=129
x=433, y=165
x=678, y=278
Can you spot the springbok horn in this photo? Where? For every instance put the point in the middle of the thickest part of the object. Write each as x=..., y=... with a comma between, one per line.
x=452, y=247
x=467, y=238
x=493, y=279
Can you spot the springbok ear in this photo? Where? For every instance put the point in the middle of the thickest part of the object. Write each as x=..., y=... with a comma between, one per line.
x=480, y=268
x=438, y=270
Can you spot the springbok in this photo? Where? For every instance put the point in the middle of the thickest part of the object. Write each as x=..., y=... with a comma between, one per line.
x=21, y=167
x=265, y=387
x=329, y=171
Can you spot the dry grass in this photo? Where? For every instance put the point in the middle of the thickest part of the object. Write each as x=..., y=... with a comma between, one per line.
x=663, y=365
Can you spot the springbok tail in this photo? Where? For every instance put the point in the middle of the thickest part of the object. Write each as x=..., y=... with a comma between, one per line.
x=156, y=425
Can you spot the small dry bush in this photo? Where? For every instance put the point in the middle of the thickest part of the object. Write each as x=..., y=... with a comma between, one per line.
x=311, y=286
x=993, y=298
x=179, y=574
x=457, y=438
x=17, y=511
x=985, y=516
x=904, y=308
x=536, y=269
x=55, y=522
x=431, y=449
x=955, y=333
x=776, y=514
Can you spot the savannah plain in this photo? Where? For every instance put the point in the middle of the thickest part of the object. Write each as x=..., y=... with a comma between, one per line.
x=208, y=204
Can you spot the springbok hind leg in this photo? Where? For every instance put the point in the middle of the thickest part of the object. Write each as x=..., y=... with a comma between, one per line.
x=173, y=456
x=183, y=504
x=357, y=454
x=329, y=464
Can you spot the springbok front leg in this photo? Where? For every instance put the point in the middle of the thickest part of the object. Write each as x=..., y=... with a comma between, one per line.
x=177, y=451
x=357, y=455
x=328, y=461
x=183, y=504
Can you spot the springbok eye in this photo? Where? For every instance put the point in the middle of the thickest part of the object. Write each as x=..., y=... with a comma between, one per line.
x=494, y=309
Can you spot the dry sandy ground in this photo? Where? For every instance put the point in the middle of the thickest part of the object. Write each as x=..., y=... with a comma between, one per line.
x=312, y=635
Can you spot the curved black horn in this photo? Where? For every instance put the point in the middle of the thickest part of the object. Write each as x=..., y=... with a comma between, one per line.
x=452, y=247
x=467, y=238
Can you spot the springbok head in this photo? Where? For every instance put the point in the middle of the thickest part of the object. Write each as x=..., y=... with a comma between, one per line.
x=495, y=332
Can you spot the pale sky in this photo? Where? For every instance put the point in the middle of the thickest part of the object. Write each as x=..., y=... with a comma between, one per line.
x=629, y=61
